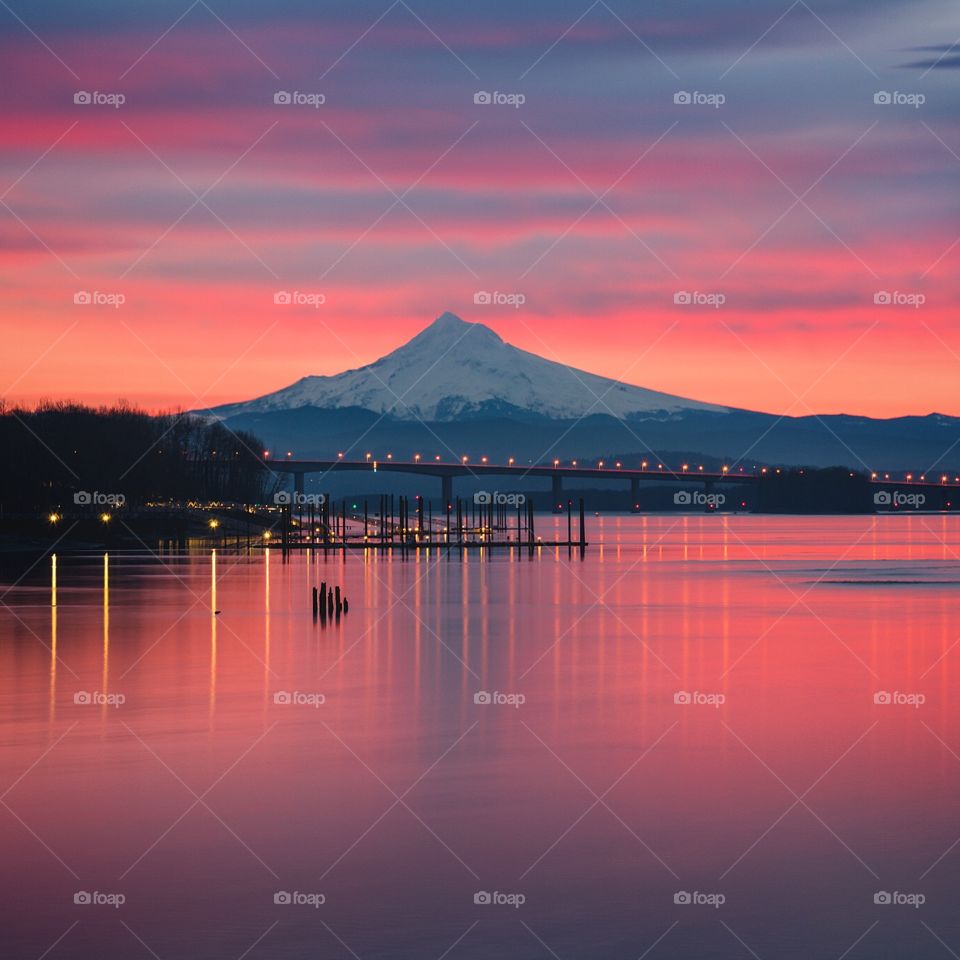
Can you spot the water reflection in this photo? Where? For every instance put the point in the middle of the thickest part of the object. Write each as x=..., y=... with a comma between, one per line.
x=53, y=637
x=105, y=676
x=693, y=797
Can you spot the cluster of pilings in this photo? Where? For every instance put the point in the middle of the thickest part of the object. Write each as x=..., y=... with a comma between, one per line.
x=411, y=523
x=328, y=603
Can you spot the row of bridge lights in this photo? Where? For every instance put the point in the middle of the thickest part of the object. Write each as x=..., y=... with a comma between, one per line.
x=909, y=477
x=644, y=465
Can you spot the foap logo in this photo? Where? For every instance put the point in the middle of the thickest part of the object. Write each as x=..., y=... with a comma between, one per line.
x=685, y=898
x=283, y=498
x=884, y=98
x=297, y=698
x=287, y=898
x=498, y=699
x=485, y=497
x=87, y=98
x=885, y=898
x=87, y=898
x=884, y=298
x=286, y=98
x=696, y=698
x=87, y=498
x=686, y=98
x=897, y=698
x=299, y=298
x=686, y=298
x=897, y=498
x=483, y=298
x=84, y=698
x=686, y=498
x=484, y=898
x=497, y=99
x=97, y=298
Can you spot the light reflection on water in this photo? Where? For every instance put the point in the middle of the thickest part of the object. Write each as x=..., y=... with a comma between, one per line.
x=199, y=797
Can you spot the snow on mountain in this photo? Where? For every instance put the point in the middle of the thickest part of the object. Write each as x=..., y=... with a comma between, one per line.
x=453, y=369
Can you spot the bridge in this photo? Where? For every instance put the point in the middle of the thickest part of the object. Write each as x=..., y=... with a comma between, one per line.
x=447, y=472
x=936, y=490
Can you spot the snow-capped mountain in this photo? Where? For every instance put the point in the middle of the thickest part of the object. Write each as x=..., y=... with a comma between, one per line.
x=454, y=370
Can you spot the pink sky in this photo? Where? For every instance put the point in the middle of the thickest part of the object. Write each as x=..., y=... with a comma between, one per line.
x=698, y=199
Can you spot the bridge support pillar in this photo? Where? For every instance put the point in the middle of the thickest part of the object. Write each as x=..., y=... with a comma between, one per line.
x=446, y=491
x=556, y=486
x=298, y=482
x=634, y=494
x=709, y=505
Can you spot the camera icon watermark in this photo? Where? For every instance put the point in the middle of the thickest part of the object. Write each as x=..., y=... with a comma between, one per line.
x=687, y=298
x=897, y=698
x=287, y=898
x=87, y=98
x=87, y=898
x=495, y=698
x=299, y=298
x=696, y=698
x=688, y=98
x=886, y=898
x=485, y=98
x=284, y=498
x=85, y=698
x=296, y=98
x=87, y=498
x=297, y=698
x=886, y=98
x=485, y=298
x=696, y=498
x=486, y=898
x=886, y=298
x=485, y=498
x=897, y=498
x=686, y=898
x=97, y=298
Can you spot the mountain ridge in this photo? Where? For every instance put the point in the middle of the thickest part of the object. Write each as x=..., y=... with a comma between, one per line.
x=453, y=370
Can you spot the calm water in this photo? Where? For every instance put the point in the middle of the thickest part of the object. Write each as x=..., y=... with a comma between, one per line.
x=782, y=799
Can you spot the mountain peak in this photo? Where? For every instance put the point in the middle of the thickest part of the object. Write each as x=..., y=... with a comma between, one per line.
x=449, y=327
x=448, y=320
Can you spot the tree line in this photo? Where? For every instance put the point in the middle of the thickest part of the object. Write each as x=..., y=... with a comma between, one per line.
x=55, y=451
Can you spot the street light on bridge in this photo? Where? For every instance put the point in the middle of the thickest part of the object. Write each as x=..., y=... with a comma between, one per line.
x=368, y=457
x=416, y=458
x=510, y=462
